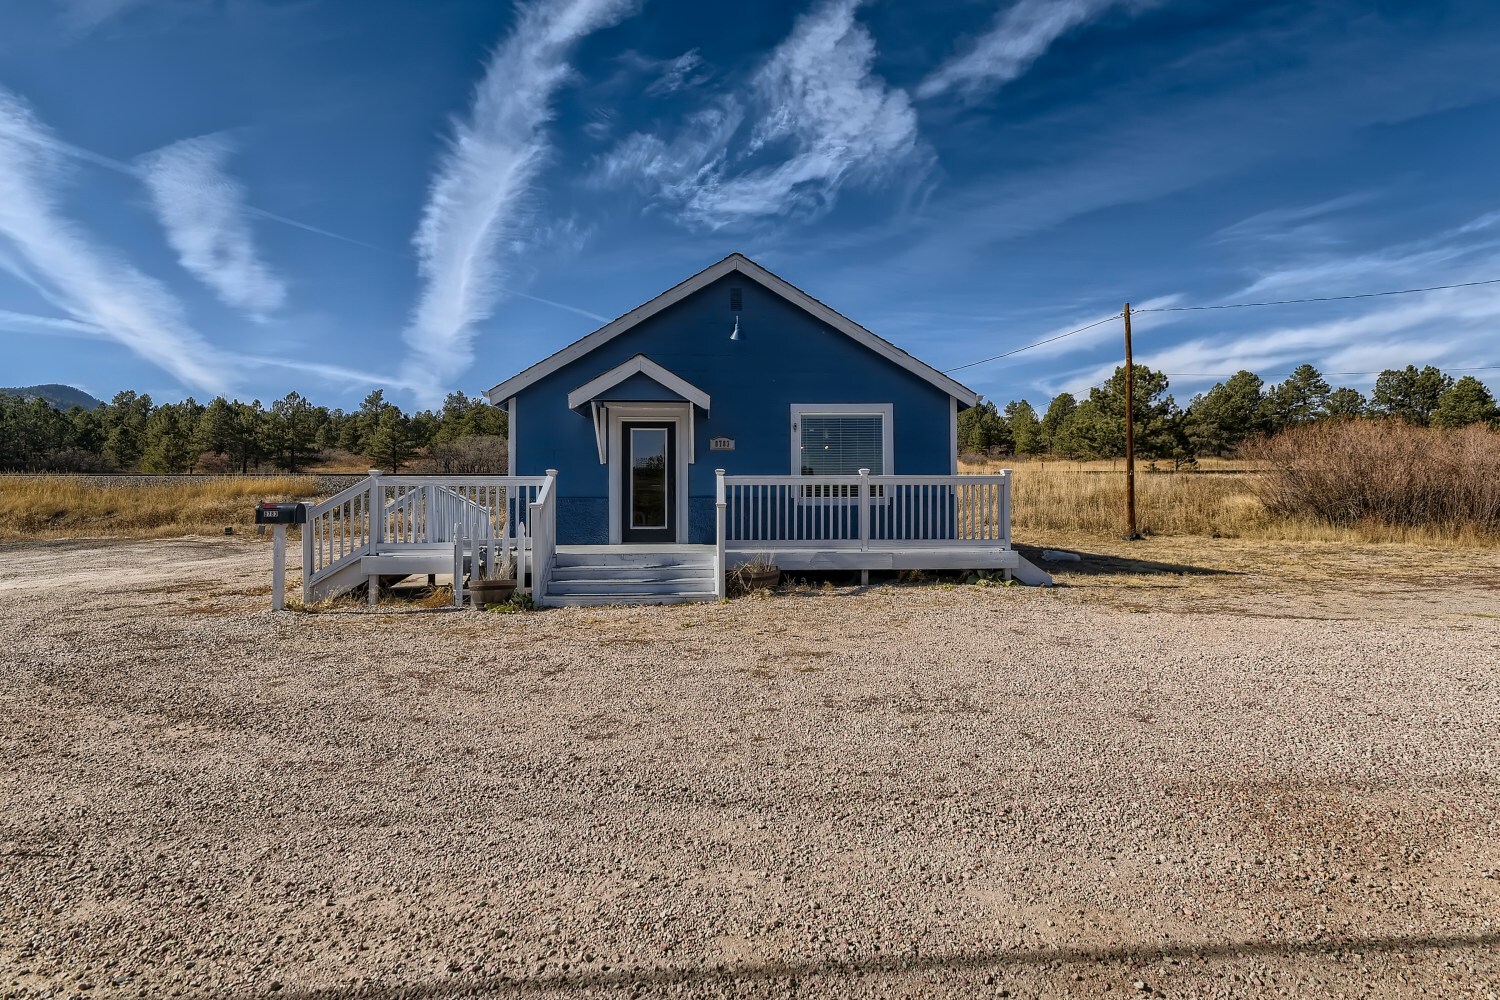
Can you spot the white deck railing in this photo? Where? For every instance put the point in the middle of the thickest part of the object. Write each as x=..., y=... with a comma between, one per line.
x=862, y=512
x=385, y=513
x=542, y=520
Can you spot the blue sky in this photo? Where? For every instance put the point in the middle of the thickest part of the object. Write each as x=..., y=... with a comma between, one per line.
x=251, y=196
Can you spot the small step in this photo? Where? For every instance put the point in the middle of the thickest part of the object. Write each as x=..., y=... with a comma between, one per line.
x=627, y=574
x=642, y=557
x=599, y=600
x=631, y=588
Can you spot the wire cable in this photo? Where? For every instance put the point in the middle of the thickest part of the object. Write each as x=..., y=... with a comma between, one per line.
x=1321, y=298
x=1039, y=343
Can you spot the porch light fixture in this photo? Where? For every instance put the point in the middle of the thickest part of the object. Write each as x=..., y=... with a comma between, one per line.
x=736, y=334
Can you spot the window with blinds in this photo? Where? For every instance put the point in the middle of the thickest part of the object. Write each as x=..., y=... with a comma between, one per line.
x=840, y=444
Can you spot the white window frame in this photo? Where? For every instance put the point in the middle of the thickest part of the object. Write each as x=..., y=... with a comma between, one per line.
x=886, y=413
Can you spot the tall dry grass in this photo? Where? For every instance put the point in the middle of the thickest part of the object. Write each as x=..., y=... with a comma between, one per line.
x=1227, y=498
x=59, y=506
x=1385, y=473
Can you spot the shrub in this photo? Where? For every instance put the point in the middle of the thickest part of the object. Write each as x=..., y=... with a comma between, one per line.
x=1388, y=472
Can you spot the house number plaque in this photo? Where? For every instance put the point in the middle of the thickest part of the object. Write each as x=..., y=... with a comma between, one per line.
x=721, y=444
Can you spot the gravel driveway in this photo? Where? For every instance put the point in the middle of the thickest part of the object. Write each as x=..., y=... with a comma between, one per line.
x=915, y=790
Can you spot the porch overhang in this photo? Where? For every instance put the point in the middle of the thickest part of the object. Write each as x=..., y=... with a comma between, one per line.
x=596, y=389
x=622, y=387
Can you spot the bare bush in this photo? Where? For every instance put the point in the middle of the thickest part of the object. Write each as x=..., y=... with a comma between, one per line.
x=473, y=455
x=1346, y=473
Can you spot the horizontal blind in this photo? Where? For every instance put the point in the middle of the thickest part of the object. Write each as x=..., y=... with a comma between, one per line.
x=840, y=444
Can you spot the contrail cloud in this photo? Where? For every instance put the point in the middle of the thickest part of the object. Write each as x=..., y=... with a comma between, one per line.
x=480, y=193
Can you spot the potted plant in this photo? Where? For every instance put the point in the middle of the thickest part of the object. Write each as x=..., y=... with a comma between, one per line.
x=497, y=585
x=760, y=573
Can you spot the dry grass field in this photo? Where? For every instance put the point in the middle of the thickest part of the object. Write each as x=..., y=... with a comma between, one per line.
x=1196, y=768
x=1216, y=500
x=73, y=507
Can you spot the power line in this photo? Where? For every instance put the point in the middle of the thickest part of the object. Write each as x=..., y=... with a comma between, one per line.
x=1246, y=305
x=1320, y=298
x=1039, y=343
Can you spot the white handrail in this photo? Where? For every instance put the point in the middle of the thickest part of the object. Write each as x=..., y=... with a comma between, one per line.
x=543, y=521
x=864, y=511
x=390, y=511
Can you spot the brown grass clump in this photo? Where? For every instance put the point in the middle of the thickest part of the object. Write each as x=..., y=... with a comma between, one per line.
x=1384, y=472
x=59, y=506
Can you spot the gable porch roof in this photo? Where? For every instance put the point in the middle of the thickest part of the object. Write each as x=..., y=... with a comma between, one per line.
x=638, y=365
x=734, y=263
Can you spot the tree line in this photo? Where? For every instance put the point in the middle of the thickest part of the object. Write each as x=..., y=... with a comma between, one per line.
x=131, y=433
x=1215, y=422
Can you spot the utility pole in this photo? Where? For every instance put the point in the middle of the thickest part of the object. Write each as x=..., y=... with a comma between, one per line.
x=1131, y=534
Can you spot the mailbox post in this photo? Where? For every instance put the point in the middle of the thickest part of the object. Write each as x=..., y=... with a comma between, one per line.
x=279, y=515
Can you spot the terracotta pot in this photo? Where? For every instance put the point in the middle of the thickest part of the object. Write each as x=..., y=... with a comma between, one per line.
x=763, y=579
x=482, y=592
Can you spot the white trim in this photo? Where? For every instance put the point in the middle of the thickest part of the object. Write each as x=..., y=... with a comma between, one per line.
x=638, y=365
x=734, y=263
x=600, y=414
x=885, y=411
x=679, y=413
x=510, y=436
x=953, y=433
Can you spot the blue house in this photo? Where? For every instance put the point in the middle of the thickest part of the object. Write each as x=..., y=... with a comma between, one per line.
x=731, y=420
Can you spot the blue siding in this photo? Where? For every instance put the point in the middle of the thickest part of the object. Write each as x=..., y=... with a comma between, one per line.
x=783, y=356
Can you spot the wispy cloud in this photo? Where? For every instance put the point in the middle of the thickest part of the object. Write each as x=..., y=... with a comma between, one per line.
x=29, y=324
x=1450, y=327
x=203, y=211
x=1298, y=224
x=87, y=282
x=1019, y=35
x=86, y=15
x=677, y=74
x=818, y=119
x=479, y=197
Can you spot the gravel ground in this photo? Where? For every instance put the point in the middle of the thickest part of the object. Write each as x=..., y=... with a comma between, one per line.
x=1185, y=787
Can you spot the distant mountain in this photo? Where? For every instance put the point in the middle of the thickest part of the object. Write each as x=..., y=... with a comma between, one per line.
x=64, y=397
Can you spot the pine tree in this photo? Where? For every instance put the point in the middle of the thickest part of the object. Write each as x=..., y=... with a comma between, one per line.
x=170, y=446
x=124, y=420
x=291, y=432
x=1059, y=411
x=1468, y=401
x=390, y=444
x=1343, y=404
x=1297, y=401
x=1408, y=394
x=982, y=430
x=1025, y=428
x=1097, y=427
x=1220, y=419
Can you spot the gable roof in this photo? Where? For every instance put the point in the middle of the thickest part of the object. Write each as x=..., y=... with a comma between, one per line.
x=638, y=365
x=734, y=263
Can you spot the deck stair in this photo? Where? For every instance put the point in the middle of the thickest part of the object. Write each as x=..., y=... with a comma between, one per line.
x=631, y=574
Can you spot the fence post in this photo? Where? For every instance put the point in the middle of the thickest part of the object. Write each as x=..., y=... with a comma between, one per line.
x=864, y=510
x=458, y=565
x=376, y=506
x=552, y=521
x=309, y=530
x=1005, y=508
x=721, y=506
